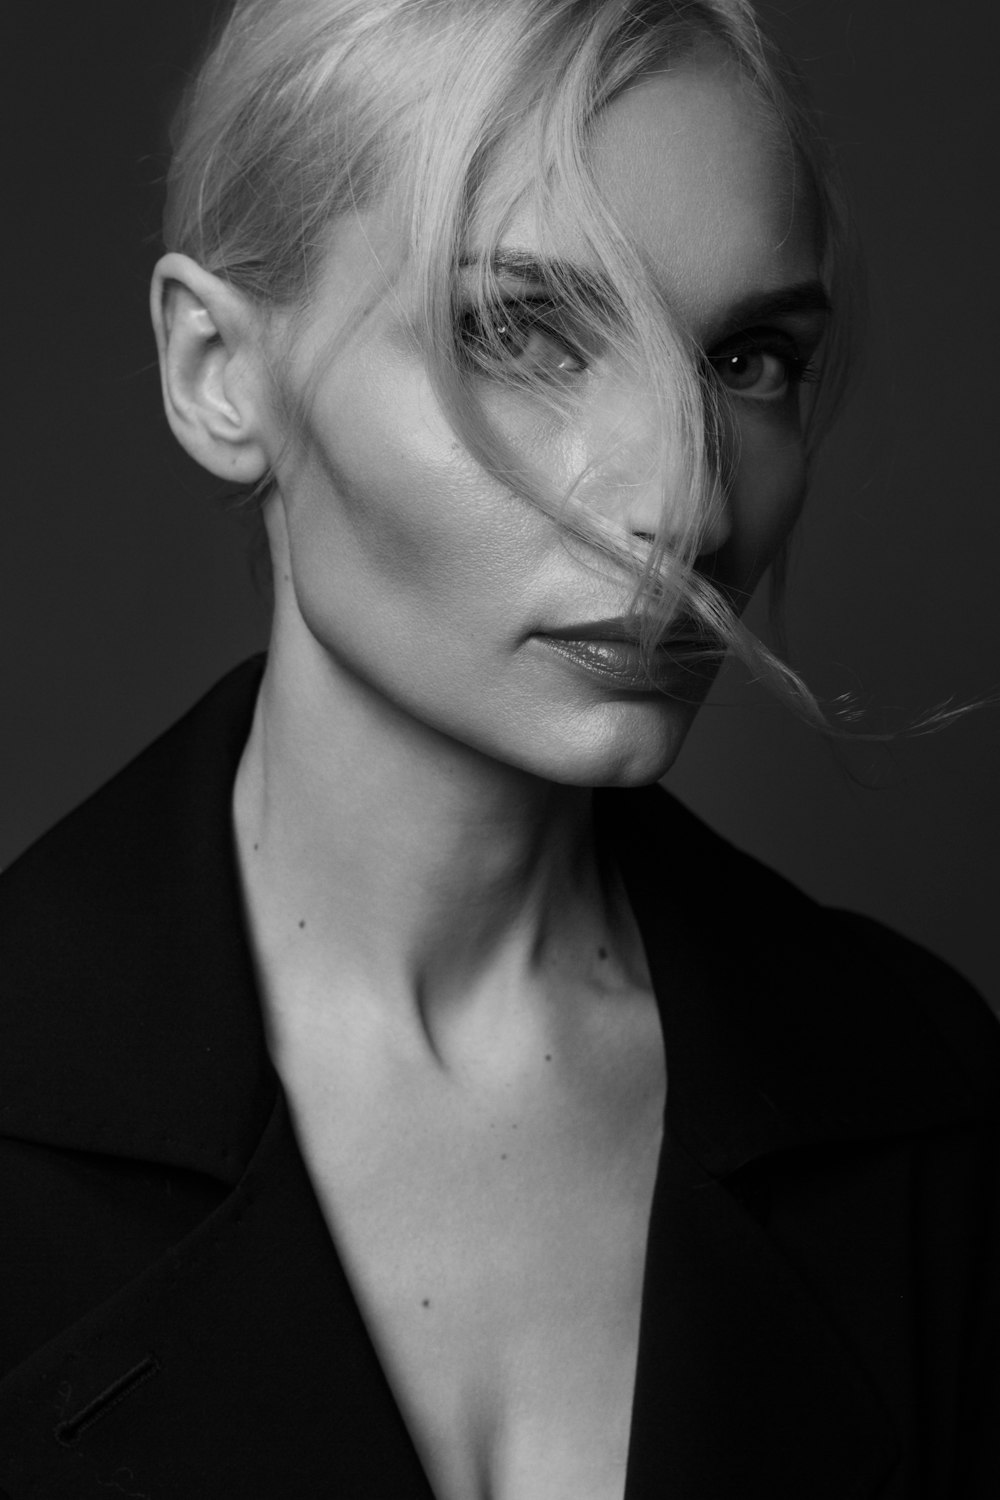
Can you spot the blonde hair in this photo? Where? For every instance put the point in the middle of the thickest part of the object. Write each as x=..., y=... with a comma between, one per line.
x=306, y=110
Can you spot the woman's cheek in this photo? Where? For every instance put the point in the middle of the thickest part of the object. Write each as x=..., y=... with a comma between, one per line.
x=390, y=511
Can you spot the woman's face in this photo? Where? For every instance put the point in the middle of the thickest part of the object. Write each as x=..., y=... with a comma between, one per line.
x=419, y=578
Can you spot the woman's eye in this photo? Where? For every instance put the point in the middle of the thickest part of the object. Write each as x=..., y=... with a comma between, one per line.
x=761, y=373
x=539, y=348
x=519, y=341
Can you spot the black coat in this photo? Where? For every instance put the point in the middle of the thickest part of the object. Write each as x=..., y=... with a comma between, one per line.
x=821, y=1315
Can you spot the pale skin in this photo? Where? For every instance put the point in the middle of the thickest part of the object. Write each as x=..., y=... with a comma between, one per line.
x=455, y=991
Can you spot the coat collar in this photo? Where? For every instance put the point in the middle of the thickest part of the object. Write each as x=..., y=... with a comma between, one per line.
x=131, y=1025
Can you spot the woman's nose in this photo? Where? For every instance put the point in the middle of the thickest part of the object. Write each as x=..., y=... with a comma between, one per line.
x=627, y=478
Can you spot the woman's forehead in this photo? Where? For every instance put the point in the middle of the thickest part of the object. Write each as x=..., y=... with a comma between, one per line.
x=698, y=173
x=694, y=169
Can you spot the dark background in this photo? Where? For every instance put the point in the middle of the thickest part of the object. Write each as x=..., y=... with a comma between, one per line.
x=125, y=585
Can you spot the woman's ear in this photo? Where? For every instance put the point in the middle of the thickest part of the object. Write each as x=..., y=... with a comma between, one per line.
x=210, y=368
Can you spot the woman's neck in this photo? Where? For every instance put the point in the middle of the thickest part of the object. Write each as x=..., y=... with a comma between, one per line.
x=386, y=861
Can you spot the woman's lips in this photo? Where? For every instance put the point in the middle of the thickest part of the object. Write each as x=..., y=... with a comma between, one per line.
x=620, y=661
x=610, y=649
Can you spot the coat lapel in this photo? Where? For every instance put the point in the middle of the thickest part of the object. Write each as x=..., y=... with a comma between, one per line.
x=236, y=1365
x=743, y=1385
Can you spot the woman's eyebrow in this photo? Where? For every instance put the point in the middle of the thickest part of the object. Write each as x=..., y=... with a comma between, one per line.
x=762, y=307
x=802, y=297
x=552, y=273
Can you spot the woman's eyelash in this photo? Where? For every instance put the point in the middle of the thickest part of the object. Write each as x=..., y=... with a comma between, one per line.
x=801, y=368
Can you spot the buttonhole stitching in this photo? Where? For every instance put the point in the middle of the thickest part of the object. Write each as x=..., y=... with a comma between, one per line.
x=70, y=1431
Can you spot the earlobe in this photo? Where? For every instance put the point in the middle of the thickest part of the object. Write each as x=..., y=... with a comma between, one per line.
x=209, y=369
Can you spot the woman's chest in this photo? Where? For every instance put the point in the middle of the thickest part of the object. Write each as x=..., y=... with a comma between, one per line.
x=498, y=1264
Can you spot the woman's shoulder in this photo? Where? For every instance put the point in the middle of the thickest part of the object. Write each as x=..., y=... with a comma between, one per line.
x=670, y=848
x=128, y=1018
x=186, y=768
x=831, y=1009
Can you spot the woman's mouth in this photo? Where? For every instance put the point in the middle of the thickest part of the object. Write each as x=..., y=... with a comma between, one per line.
x=619, y=660
x=610, y=649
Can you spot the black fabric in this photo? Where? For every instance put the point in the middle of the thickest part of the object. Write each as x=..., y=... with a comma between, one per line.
x=821, y=1314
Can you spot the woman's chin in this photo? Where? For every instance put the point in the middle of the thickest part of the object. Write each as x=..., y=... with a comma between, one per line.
x=620, y=750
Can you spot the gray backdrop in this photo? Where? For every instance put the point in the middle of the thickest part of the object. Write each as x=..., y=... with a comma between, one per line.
x=125, y=588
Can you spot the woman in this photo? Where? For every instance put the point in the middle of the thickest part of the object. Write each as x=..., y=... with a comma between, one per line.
x=388, y=1112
